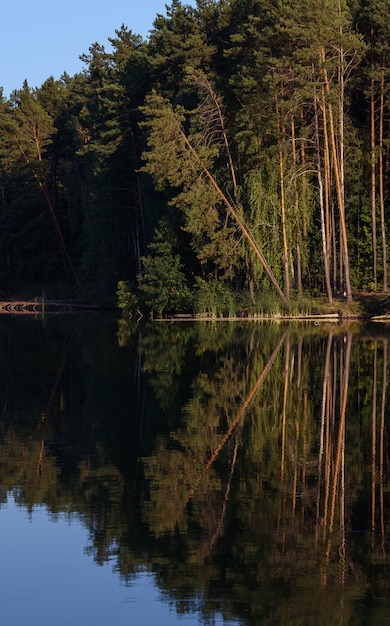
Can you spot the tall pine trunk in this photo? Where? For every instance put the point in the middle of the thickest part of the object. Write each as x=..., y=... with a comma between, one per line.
x=296, y=211
x=373, y=185
x=337, y=148
x=324, y=224
x=284, y=229
x=381, y=179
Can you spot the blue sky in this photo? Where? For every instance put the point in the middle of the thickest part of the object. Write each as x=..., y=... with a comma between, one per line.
x=42, y=38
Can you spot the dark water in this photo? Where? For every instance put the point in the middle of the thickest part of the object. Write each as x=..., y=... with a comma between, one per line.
x=193, y=474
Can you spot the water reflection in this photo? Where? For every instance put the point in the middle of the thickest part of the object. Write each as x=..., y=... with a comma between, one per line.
x=50, y=580
x=244, y=467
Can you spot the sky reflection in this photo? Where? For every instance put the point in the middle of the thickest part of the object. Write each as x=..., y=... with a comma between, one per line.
x=47, y=577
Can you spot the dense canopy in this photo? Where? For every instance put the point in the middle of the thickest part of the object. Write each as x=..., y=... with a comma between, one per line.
x=241, y=151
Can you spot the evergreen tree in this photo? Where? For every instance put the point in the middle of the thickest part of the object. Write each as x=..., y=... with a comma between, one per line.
x=110, y=153
x=259, y=126
x=186, y=163
x=27, y=138
x=162, y=282
x=373, y=20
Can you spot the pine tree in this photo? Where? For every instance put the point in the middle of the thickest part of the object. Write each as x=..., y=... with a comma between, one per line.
x=186, y=163
x=374, y=23
x=27, y=136
x=162, y=282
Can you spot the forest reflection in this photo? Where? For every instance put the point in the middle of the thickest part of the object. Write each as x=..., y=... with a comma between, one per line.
x=245, y=466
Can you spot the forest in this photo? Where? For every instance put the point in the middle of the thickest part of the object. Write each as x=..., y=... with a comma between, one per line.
x=236, y=158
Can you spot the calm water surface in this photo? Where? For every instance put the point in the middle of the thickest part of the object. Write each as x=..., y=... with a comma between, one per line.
x=193, y=474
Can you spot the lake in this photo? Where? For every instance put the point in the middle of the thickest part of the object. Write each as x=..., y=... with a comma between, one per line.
x=193, y=473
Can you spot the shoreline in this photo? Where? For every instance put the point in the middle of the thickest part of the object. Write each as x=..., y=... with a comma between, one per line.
x=365, y=308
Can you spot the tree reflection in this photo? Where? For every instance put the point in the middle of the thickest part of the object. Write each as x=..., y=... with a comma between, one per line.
x=246, y=466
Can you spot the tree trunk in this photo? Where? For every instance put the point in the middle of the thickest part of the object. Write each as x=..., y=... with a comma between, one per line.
x=240, y=222
x=324, y=228
x=330, y=236
x=284, y=231
x=296, y=210
x=64, y=251
x=381, y=180
x=373, y=185
x=338, y=167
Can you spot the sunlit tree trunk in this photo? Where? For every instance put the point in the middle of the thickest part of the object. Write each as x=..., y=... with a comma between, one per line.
x=338, y=164
x=296, y=211
x=324, y=215
x=373, y=185
x=381, y=180
x=330, y=223
x=284, y=229
x=282, y=133
x=232, y=209
x=190, y=160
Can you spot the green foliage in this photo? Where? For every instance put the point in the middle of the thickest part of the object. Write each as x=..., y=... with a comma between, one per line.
x=261, y=187
x=127, y=301
x=162, y=283
x=223, y=113
x=214, y=297
x=30, y=217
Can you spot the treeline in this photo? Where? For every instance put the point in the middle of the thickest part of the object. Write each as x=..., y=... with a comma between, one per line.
x=241, y=151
